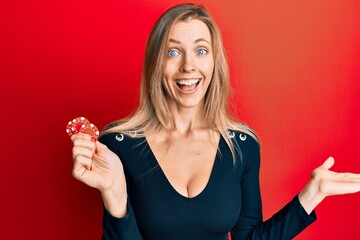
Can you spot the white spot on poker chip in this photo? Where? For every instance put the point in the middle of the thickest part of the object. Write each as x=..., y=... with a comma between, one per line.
x=119, y=137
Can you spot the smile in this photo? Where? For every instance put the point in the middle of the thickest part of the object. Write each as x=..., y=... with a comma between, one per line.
x=188, y=84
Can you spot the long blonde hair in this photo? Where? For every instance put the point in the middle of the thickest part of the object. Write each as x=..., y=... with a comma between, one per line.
x=153, y=112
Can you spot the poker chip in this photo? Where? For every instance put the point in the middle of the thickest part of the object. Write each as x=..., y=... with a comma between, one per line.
x=74, y=125
x=90, y=129
x=81, y=124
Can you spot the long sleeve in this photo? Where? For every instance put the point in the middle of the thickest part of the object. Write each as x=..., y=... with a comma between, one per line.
x=119, y=228
x=285, y=224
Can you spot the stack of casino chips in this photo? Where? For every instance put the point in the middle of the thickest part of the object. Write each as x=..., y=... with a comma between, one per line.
x=81, y=124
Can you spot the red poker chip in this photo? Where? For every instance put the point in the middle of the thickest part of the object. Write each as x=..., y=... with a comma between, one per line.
x=81, y=124
x=90, y=129
x=74, y=125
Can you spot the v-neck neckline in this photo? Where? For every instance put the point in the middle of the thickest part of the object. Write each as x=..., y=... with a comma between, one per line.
x=168, y=182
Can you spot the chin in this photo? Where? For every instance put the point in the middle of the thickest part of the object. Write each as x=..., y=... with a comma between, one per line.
x=191, y=104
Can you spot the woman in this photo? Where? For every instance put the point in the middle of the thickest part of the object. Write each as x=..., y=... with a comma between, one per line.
x=181, y=167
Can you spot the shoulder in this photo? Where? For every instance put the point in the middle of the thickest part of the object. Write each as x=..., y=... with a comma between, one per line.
x=118, y=133
x=133, y=152
x=246, y=146
x=243, y=136
x=121, y=143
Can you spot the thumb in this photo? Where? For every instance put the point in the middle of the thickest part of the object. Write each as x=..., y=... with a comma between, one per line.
x=99, y=146
x=328, y=163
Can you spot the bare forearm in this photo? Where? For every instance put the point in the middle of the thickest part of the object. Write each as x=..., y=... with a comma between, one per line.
x=309, y=198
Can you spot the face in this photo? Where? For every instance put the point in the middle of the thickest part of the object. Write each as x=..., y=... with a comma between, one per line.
x=189, y=64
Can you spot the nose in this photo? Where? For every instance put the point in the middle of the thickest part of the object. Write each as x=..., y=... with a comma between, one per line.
x=187, y=64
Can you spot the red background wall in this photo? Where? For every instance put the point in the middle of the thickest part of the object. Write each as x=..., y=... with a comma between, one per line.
x=295, y=70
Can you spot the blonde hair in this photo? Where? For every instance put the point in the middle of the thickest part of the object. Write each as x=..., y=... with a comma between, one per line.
x=153, y=112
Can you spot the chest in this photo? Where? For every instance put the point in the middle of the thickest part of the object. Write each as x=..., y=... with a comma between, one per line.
x=187, y=163
x=163, y=210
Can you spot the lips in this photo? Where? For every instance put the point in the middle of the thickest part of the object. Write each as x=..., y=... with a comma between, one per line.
x=188, y=84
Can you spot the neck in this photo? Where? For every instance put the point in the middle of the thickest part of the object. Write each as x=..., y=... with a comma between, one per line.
x=188, y=119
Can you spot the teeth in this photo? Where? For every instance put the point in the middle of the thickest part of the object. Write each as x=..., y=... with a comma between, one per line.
x=188, y=82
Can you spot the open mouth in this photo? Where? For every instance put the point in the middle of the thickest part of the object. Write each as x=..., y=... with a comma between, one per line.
x=188, y=85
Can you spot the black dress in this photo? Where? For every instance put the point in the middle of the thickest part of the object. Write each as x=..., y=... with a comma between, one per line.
x=231, y=200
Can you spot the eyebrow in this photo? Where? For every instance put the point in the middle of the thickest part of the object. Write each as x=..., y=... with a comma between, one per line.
x=196, y=41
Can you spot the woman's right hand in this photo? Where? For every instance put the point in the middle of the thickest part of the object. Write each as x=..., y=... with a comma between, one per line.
x=98, y=167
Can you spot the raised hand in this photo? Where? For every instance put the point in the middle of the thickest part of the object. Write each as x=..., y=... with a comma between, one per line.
x=99, y=167
x=325, y=183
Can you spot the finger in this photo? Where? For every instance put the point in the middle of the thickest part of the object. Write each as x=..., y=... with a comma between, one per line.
x=345, y=177
x=339, y=188
x=82, y=161
x=78, y=172
x=80, y=136
x=328, y=163
x=81, y=151
x=85, y=143
x=100, y=146
x=82, y=174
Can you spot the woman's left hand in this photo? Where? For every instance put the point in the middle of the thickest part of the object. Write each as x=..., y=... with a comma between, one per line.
x=325, y=183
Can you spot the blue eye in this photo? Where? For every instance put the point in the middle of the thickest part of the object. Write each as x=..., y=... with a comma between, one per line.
x=201, y=51
x=172, y=53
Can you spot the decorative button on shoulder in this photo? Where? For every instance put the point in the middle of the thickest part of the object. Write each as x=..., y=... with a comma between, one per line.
x=231, y=134
x=119, y=137
x=242, y=137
